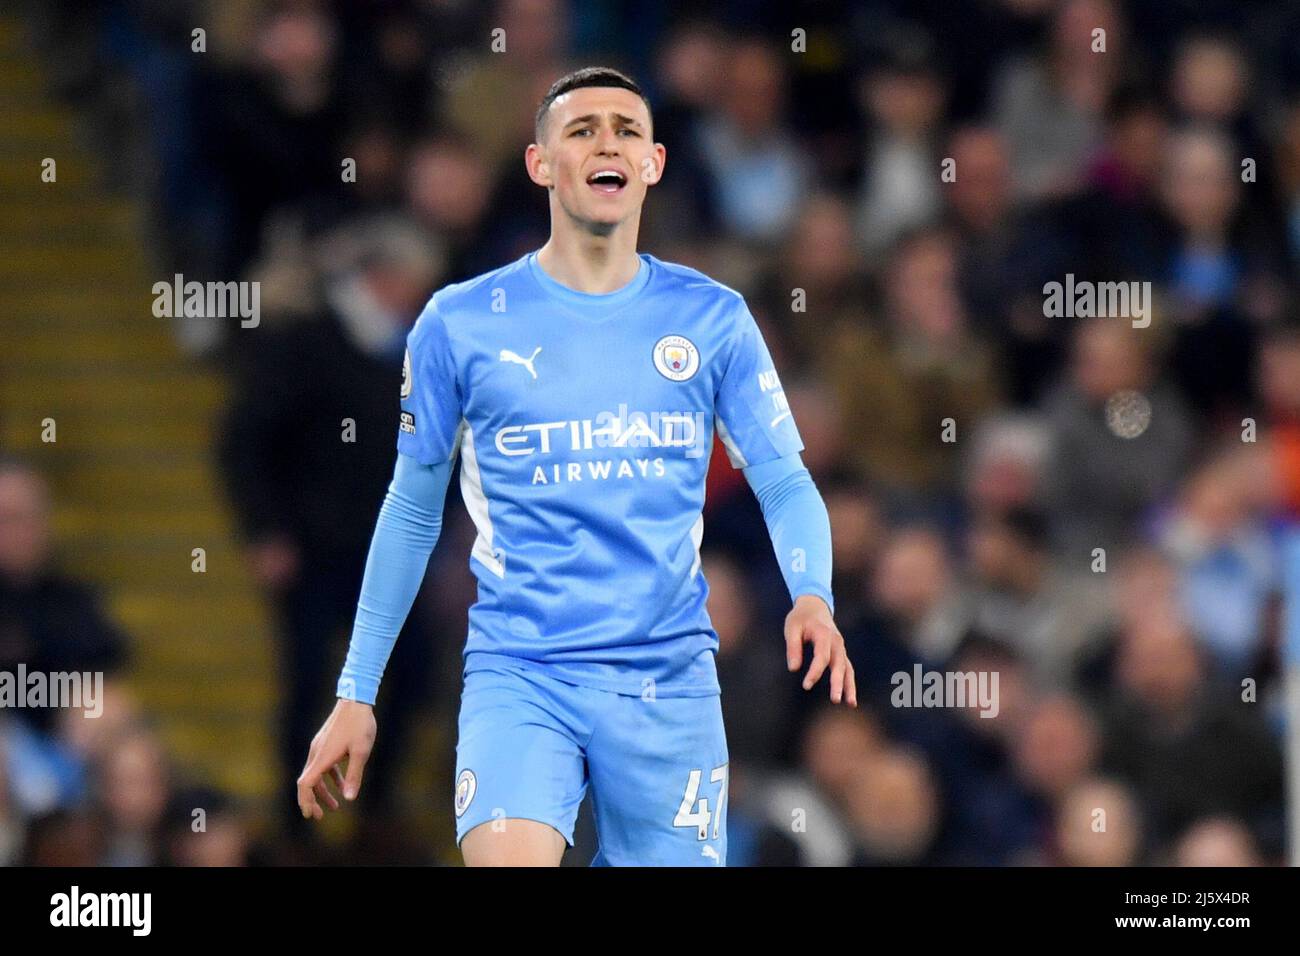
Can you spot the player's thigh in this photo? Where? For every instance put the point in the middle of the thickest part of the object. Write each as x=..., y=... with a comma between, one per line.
x=659, y=782
x=517, y=759
x=513, y=843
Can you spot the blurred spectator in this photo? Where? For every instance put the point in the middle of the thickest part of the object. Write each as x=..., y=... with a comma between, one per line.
x=836, y=743
x=49, y=622
x=993, y=818
x=1049, y=107
x=903, y=96
x=899, y=384
x=1098, y=823
x=1189, y=746
x=751, y=666
x=1227, y=557
x=43, y=773
x=1144, y=587
x=90, y=740
x=1101, y=484
x=377, y=151
x=1006, y=464
x=1208, y=80
x=1216, y=842
x=1126, y=169
x=680, y=210
x=894, y=812
x=448, y=191
x=309, y=393
x=491, y=97
x=857, y=537
x=759, y=175
x=216, y=836
x=816, y=296
x=1114, y=227
x=914, y=592
x=1201, y=195
x=64, y=838
x=271, y=127
x=1058, y=748
x=1220, y=271
x=135, y=780
x=1048, y=613
x=980, y=212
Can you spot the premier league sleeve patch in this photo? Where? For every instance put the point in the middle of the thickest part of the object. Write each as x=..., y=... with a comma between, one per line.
x=406, y=376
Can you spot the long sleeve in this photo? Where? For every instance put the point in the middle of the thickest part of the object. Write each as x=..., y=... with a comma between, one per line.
x=406, y=532
x=797, y=522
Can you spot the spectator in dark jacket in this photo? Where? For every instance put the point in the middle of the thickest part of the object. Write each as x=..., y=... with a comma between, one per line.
x=307, y=451
x=48, y=621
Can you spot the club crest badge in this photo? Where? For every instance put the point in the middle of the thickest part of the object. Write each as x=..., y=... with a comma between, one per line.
x=676, y=357
x=466, y=787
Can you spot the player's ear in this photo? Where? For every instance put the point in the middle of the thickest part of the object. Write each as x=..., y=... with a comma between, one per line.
x=652, y=167
x=539, y=170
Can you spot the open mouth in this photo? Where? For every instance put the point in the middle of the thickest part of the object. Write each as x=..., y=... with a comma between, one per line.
x=609, y=181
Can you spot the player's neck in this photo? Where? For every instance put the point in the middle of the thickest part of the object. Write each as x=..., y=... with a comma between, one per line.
x=592, y=264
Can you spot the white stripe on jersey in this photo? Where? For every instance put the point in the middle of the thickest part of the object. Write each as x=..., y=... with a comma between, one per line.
x=471, y=489
x=697, y=535
x=733, y=450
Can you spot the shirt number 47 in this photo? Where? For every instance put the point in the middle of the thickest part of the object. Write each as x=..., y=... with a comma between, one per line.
x=688, y=816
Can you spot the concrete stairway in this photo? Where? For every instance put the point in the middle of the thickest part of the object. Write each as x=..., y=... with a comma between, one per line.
x=131, y=469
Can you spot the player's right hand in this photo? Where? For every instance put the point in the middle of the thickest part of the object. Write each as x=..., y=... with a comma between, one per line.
x=348, y=732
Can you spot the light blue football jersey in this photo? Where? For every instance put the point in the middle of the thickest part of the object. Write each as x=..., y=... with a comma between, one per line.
x=584, y=425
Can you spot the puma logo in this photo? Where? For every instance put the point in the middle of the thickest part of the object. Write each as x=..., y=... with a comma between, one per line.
x=509, y=356
x=708, y=851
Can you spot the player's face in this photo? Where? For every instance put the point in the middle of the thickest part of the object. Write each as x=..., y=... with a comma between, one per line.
x=597, y=155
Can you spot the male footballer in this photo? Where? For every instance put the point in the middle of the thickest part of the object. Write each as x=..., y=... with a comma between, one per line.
x=581, y=387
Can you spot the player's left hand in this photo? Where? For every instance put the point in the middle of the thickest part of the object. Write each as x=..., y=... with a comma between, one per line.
x=811, y=623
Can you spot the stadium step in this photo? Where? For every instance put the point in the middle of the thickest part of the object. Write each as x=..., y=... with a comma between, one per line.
x=173, y=387
x=131, y=472
x=53, y=212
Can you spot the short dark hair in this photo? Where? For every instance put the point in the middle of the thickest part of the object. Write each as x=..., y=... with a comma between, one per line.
x=579, y=79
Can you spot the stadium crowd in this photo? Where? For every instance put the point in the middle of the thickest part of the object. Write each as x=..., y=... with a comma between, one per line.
x=1091, y=508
